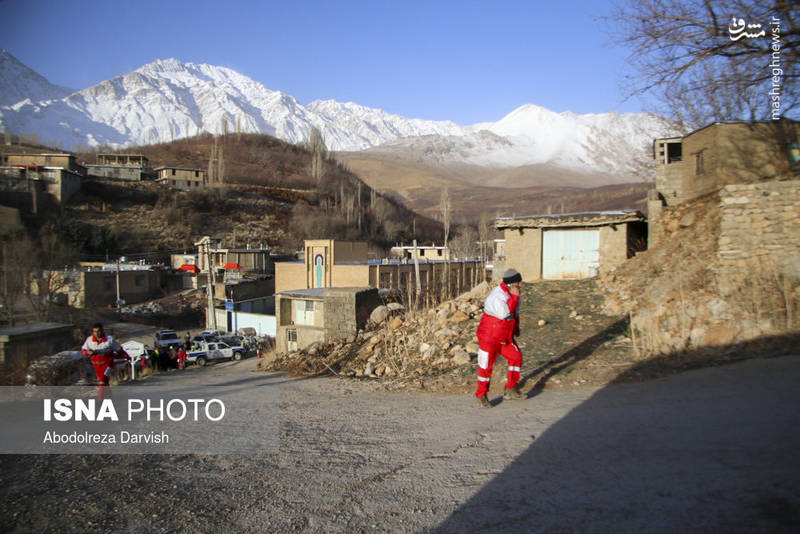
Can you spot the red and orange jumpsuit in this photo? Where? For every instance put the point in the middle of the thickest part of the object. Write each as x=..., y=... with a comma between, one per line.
x=102, y=357
x=496, y=331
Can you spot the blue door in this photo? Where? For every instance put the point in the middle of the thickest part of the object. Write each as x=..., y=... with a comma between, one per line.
x=570, y=254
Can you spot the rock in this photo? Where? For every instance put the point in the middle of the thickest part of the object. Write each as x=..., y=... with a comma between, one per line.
x=459, y=317
x=379, y=314
x=542, y=322
x=441, y=315
x=572, y=314
x=388, y=371
x=368, y=369
x=461, y=357
x=423, y=348
x=472, y=347
x=455, y=348
x=396, y=323
x=395, y=307
x=719, y=335
x=687, y=220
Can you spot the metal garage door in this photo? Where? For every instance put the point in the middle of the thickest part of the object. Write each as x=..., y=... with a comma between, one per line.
x=570, y=254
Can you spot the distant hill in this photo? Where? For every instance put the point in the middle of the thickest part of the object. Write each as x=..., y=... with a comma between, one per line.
x=268, y=198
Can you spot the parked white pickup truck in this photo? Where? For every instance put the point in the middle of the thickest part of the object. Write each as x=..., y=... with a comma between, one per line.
x=216, y=350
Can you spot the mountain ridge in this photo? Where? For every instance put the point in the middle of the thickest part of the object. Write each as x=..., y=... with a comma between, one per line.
x=168, y=99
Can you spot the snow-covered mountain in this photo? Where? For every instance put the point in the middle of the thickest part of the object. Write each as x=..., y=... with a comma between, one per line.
x=19, y=82
x=167, y=100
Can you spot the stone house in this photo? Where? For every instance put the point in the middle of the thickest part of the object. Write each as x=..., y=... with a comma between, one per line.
x=720, y=154
x=571, y=245
x=181, y=178
x=307, y=316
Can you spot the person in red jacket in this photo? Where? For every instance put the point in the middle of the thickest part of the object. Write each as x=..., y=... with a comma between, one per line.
x=181, y=357
x=101, y=349
x=496, y=331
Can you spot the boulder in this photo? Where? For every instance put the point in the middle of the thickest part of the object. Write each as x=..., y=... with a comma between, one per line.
x=379, y=314
x=396, y=323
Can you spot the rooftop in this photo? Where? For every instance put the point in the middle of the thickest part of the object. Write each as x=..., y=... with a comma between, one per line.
x=584, y=218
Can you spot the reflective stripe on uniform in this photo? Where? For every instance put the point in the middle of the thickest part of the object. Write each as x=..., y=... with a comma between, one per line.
x=517, y=369
x=483, y=379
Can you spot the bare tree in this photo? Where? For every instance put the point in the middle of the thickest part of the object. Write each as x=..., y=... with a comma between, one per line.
x=51, y=257
x=445, y=209
x=316, y=145
x=216, y=163
x=17, y=252
x=696, y=57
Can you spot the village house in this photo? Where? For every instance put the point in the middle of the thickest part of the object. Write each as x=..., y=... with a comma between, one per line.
x=62, y=160
x=96, y=286
x=307, y=316
x=571, y=245
x=181, y=178
x=129, y=167
x=720, y=154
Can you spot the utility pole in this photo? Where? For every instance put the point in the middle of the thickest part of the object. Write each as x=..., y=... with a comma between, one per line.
x=212, y=313
x=416, y=274
x=119, y=299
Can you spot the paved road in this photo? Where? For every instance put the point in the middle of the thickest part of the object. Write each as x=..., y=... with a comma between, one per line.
x=714, y=450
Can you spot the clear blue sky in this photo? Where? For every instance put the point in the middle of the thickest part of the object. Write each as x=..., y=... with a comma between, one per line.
x=466, y=61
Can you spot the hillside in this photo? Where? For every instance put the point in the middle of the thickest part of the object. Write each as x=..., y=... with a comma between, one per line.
x=269, y=197
x=516, y=191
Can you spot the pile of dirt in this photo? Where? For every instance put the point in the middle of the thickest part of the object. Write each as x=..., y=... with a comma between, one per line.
x=401, y=347
x=566, y=340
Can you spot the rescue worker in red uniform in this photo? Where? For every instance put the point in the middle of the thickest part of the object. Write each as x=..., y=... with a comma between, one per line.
x=496, y=331
x=101, y=349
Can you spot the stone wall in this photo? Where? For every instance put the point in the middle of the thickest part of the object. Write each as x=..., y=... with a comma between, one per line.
x=759, y=228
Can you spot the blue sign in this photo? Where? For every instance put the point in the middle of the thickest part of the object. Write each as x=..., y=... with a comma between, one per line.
x=228, y=305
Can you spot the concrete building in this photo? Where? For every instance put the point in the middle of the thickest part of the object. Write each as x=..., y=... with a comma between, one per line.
x=250, y=259
x=96, y=287
x=21, y=344
x=571, y=245
x=723, y=153
x=430, y=252
x=307, y=316
x=181, y=178
x=63, y=160
x=58, y=182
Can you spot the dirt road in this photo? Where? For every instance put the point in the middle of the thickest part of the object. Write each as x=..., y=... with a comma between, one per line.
x=706, y=451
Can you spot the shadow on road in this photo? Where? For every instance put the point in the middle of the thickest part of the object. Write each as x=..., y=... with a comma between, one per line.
x=710, y=450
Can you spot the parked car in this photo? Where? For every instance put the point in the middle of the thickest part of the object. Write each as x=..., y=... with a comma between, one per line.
x=216, y=350
x=164, y=339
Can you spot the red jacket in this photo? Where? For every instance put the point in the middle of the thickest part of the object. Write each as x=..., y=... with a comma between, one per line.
x=500, y=321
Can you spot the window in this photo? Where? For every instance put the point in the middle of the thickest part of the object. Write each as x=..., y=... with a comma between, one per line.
x=291, y=340
x=699, y=164
x=304, y=312
x=196, y=174
x=173, y=172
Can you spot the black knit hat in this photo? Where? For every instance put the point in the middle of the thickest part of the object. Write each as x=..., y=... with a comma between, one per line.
x=511, y=276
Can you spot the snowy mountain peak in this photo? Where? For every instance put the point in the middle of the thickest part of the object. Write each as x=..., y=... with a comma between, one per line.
x=20, y=82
